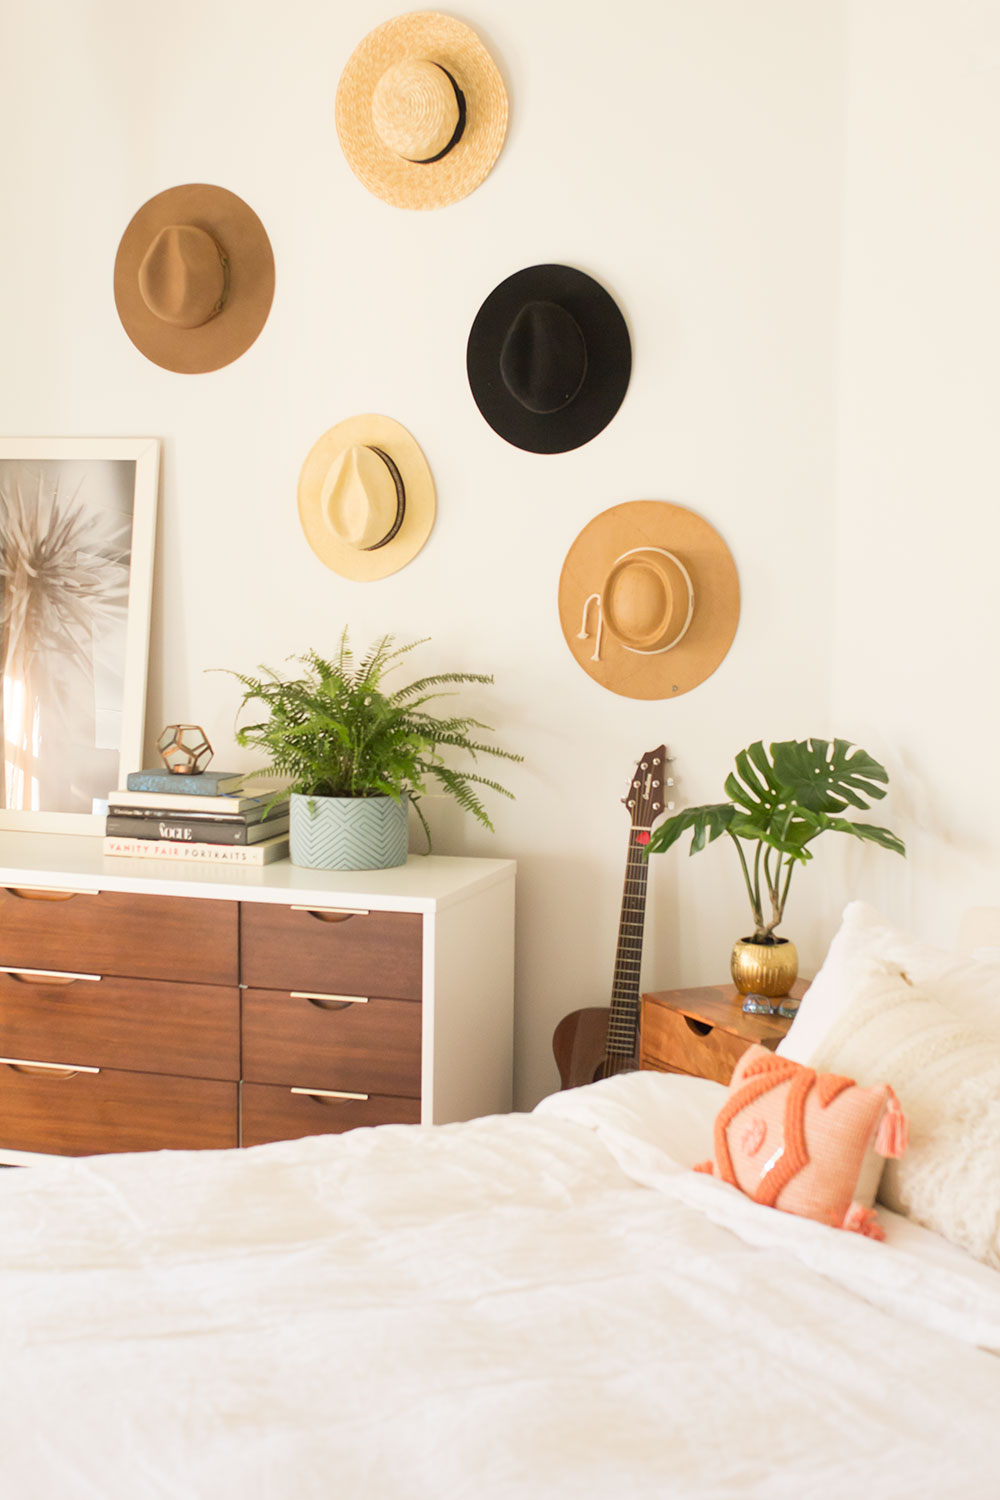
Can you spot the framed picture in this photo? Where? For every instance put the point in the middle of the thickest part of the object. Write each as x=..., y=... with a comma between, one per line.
x=77, y=525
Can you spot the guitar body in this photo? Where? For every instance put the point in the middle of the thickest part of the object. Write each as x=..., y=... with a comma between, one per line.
x=580, y=1047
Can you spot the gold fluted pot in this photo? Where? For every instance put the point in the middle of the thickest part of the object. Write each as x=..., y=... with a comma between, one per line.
x=764, y=968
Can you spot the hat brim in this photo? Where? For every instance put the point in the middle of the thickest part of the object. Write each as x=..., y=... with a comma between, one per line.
x=454, y=46
x=372, y=431
x=651, y=523
x=233, y=223
x=609, y=359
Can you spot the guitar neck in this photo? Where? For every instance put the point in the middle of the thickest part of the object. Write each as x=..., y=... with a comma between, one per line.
x=624, y=1019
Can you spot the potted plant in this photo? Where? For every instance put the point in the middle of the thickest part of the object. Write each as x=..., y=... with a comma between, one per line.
x=356, y=755
x=779, y=802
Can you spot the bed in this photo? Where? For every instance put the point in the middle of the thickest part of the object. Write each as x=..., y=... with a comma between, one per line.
x=540, y=1305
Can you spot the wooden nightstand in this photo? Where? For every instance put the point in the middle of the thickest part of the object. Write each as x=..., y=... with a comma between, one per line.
x=704, y=1032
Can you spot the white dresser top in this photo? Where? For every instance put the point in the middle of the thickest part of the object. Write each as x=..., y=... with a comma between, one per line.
x=426, y=883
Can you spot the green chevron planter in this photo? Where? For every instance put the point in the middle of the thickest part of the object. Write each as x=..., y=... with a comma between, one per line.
x=348, y=833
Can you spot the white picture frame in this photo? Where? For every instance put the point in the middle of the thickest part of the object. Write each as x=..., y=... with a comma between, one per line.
x=74, y=640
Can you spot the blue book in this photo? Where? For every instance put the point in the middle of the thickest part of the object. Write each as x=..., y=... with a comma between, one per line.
x=205, y=784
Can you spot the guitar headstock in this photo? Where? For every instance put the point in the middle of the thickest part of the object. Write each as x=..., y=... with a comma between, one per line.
x=646, y=797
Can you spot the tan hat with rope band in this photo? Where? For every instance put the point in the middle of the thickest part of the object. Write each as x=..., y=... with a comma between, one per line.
x=649, y=599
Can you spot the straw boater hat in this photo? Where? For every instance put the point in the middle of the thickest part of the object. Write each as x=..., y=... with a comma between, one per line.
x=649, y=599
x=366, y=497
x=194, y=278
x=421, y=111
x=549, y=358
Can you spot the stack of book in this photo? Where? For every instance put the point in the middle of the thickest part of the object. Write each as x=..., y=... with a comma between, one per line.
x=160, y=815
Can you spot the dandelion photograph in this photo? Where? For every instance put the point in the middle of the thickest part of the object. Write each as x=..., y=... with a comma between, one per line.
x=74, y=616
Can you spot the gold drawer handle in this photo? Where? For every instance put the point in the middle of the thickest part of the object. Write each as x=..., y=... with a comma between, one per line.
x=328, y=1002
x=48, y=976
x=331, y=913
x=60, y=1070
x=45, y=893
x=327, y=1094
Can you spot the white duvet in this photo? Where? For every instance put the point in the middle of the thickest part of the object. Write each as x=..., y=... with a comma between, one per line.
x=546, y=1305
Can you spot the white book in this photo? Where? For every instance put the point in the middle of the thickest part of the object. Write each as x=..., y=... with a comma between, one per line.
x=232, y=803
x=263, y=853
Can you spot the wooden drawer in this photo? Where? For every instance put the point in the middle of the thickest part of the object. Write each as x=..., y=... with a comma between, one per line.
x=334, y=952
x=371, y=1047
x=80, y=1114
x=276, y=1114
x=115, y=932
x=675, y=1043
x=146, y=1025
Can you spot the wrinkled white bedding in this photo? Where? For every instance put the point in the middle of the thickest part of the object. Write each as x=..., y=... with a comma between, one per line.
x=524, y=1306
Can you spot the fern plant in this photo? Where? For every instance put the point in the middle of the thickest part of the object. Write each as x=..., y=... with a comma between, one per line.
x=335, y=730
x=779, y=803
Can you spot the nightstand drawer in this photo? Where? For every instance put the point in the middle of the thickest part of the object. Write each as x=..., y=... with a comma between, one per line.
x=144, y=1025
x=114, y=932
x=79, y=1113
x=681, y=1044
x=371, y=1045
x=277, y=1114
x=332, y=951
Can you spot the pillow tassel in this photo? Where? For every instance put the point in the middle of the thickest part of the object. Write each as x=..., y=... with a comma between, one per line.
x=861, y=1219
x=893, y=1130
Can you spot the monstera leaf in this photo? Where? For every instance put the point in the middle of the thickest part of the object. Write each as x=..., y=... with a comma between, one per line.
x=782, y=799
x=707, y=822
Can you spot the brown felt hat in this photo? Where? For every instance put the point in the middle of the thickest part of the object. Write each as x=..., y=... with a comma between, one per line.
x=421, y=111
x=366, y=497
x=649, y=599
x=194, y=278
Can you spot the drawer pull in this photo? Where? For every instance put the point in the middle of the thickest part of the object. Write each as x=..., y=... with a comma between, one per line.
x=48, y=976
x=328, y=1002
x=700, y=1028
x=327, y=1094
x=331, y=913
x=60, y=1070
x=45, y=893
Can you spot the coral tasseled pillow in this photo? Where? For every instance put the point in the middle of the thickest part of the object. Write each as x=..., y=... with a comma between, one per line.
x=808, y=1143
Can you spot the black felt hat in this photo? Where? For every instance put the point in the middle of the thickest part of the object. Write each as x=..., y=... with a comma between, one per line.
x=549, y=358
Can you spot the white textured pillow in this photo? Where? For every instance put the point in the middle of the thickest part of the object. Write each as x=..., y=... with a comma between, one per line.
x=946, y=1074
x=970, y=988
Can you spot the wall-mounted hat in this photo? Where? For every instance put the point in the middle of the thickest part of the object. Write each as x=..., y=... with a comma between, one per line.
x=194, y=278
x=366, y=497
x=421, y=111
x=649, y=599
x=549, y=358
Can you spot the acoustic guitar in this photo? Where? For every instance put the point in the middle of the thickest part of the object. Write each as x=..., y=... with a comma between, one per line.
x=602, y=1040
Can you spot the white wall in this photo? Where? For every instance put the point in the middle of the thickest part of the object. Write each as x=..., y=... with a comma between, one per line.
x=918, y=604
x=690, y=155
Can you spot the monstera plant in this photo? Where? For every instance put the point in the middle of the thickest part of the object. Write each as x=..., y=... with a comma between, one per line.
x=780, y=801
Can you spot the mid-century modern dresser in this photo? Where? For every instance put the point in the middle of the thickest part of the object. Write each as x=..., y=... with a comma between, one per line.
x=151, y=1004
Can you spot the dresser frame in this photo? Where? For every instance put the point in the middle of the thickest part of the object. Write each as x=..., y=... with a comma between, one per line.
x=465, y=958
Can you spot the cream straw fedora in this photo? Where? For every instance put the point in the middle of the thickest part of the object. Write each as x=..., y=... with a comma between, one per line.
x=366, y=497
x=194, y=278
x=649, y=599
x=421, y=111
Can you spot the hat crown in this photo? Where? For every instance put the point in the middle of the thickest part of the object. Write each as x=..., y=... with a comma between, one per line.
x=416, y=110
x=647, y=600
x=543, y=359
x=183, y=276
x=362, y=497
